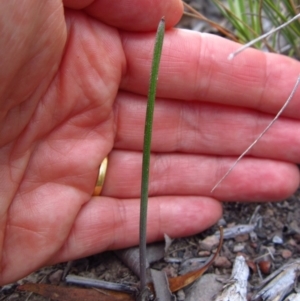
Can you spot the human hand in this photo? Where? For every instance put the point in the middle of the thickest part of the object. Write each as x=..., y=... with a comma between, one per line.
x=73, y=90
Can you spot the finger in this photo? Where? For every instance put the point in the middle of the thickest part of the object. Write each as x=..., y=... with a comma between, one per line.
x=133, y=15
x=204, y=128
x=194, y=66
x=195, y=175
x=107, y=223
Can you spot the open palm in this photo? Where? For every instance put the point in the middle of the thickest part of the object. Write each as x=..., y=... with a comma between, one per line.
x=73, y=86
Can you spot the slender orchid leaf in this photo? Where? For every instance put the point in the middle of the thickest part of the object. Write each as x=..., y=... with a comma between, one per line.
x=147, y=149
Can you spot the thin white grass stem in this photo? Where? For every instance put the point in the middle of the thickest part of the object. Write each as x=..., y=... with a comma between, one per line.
x=261, y=134
x=235, y=53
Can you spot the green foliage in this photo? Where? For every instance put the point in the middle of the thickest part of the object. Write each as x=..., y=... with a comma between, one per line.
x=252, y=18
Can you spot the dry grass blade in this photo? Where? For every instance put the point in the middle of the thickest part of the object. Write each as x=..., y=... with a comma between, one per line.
x=262, y=133
x=198, y=15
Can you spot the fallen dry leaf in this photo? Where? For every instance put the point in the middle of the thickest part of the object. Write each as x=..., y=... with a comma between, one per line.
x=179, y=282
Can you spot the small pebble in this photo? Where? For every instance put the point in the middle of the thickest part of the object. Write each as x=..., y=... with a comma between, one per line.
x=55, y=277
x=230, y=225
x=277, y=240
x=204, y=253
x=265, y=266
x=278, y=224
x=170, y=271
x=241, y=238
x=294, y=226
x=292, y=242
x=209, y=243
x=180, y=295
x=204, y=289
x=222, y=262
x=222, y=222
x=238, y=248
x=286, y=254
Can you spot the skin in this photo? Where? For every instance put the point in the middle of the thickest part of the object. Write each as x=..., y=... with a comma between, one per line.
x=73, y=90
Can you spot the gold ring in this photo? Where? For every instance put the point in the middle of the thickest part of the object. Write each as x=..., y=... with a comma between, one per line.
x=101, y=177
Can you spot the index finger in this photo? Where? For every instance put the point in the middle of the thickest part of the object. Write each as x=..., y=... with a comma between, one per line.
x=194, y=66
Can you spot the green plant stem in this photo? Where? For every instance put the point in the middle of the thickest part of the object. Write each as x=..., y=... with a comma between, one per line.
x=147, y=149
